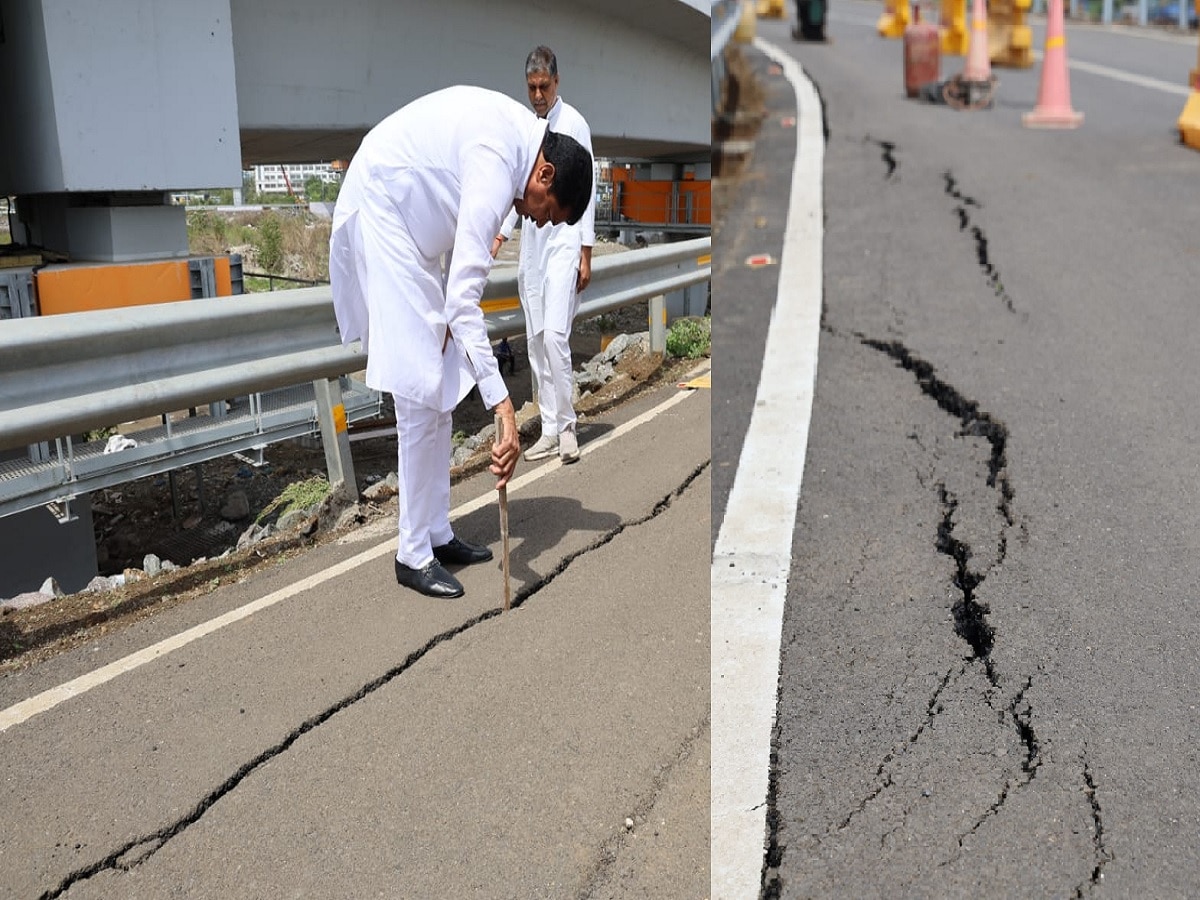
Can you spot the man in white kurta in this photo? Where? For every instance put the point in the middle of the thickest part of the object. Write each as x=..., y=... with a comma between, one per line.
x=555, y=265
x=434, y=180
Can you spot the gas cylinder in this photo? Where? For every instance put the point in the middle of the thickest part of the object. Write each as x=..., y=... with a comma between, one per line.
x=922, y=54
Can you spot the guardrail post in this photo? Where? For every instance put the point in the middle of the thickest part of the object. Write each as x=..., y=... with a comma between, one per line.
x=331, y=415
x=658, y=324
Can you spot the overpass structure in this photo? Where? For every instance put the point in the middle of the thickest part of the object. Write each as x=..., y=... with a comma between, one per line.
x=111, y=104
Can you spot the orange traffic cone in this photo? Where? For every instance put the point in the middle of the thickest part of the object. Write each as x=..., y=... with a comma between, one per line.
x=979, y=62
x=1053, y=108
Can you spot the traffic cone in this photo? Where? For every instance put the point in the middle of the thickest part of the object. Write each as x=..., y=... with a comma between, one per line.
x=1053, y=108
x=979, y=62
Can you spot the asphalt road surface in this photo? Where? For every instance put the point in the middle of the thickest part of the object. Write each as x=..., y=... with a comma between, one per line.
x=316, y=731
x=987, y=651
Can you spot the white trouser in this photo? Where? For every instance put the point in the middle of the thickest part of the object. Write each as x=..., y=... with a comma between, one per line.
x=550, y=360
x=423, y=472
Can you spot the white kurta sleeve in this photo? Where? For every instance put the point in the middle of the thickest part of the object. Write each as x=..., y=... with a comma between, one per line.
x=510, y=224
x=487, y=194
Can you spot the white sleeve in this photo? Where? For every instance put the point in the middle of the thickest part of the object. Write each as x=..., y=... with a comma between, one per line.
x=486, y=195
x=510, y=224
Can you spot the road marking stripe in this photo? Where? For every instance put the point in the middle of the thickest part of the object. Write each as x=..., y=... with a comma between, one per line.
x=1118, y=75
x=48, y=699
x=753, y=551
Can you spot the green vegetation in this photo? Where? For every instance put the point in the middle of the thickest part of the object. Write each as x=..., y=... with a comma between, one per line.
x=300, y=495
x=270, y=243
x=690, y=338
x=294, y=244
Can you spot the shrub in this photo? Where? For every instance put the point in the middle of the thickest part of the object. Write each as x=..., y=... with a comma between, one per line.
x=690, y=338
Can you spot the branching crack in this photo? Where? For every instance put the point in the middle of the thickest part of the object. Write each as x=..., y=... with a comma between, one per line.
x=970, y=616
x=974, y=421
x=137, y=851
x=884, y=777
x=981, y=243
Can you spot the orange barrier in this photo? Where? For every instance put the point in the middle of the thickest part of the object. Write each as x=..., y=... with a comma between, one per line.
x=897, y=15
x=80, y=287
x=953, y=22
x=1189, y=119
x=661, y=202
x=1010, y=40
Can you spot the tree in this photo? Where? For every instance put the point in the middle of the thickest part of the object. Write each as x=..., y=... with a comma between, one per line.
x=314, y=188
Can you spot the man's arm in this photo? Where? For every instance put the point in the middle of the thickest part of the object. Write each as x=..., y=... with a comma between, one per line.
x=585, y=268
x=506, y=452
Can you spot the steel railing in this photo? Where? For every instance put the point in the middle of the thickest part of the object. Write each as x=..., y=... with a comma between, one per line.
x=68, y=374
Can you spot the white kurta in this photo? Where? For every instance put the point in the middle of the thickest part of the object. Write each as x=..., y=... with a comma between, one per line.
x=438, y=175
x=549, y=258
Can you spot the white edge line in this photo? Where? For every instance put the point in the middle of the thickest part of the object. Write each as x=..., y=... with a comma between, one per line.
x=753, y=550
x=52, y=697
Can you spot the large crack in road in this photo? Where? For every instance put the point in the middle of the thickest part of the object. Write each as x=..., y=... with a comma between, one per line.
x=970, y=616
x=133, y=853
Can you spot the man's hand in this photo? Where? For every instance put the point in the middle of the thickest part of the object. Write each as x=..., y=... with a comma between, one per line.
x=497, y=243
x=505, y=452
x=585, y=269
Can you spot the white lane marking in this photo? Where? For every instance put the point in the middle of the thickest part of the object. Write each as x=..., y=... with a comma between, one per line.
x=50, y=698
x=1128, y=77
x=753, y=550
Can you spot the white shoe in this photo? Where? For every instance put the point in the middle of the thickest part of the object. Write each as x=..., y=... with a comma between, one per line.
x=568, y=447
x=545, y=447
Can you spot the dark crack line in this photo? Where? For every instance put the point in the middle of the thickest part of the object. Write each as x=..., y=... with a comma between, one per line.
x=970, y=616
x=771, y=881
x=975, y=422
x=1023, y=722
x=884, y=778
x=139, y=850
x=1029, y=766
x=610, y=850
x=990, y=272
x=1101, y=852
x=889, y=156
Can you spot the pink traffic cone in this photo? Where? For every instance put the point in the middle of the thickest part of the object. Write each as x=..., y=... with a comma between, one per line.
x=1053, y=108
x=979, y=61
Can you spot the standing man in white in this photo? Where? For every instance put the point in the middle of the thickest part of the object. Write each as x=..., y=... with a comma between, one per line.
x=555, y=265
x=437, y=178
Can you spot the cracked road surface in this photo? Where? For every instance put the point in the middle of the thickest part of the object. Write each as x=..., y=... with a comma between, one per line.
x=355, y=739
x=988, y=673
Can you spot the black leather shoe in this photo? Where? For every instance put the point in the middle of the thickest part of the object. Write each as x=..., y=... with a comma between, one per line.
x=432, y=580
x=461, y=553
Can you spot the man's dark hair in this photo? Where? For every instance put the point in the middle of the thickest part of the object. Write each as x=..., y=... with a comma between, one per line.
x=572, y=186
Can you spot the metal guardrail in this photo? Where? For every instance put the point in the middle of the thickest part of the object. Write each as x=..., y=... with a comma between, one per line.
x=67, y=374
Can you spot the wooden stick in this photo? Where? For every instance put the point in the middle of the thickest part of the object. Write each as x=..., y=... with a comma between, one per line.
x=504, y=523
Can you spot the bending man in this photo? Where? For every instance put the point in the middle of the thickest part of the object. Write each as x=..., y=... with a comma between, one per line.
x=439, y=175
x=555, y=265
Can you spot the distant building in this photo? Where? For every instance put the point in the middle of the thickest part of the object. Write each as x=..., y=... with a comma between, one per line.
x=270, y=179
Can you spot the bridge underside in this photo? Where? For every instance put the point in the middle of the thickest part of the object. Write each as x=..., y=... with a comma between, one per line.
x=266, y=146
